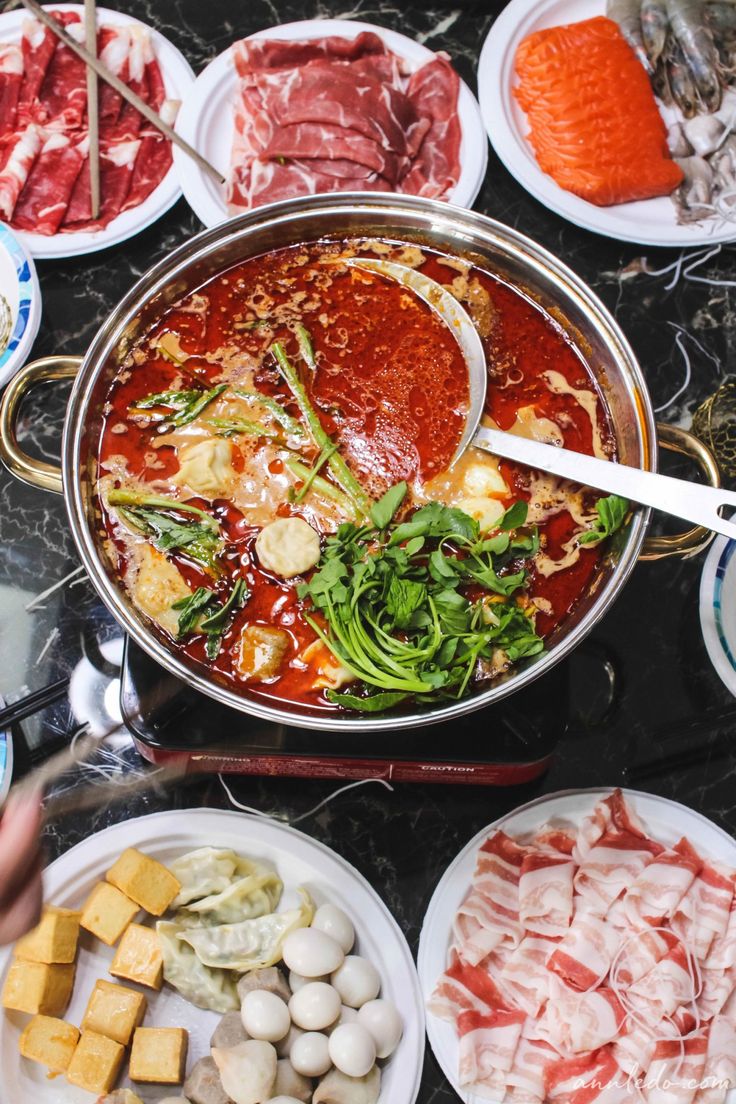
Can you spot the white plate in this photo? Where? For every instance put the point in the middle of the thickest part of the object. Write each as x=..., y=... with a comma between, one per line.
x=206, y=117
x=718, y=609
x=299, y=861
x=178, y=77
x=667, y=821
x=19, y=285
x=646, y=222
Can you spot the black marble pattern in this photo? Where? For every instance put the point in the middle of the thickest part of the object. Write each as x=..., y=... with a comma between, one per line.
x=670, y=731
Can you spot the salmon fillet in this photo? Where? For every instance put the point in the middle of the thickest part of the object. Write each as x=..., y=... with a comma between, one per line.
x=595, y=127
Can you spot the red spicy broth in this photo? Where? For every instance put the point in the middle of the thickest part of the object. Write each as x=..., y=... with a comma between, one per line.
x=391, y=387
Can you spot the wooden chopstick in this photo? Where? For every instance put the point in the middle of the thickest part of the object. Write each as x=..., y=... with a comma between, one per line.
x=140, y=105
x=93, y=116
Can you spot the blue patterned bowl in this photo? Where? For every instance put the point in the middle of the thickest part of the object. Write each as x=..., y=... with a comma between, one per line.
x=19, y=285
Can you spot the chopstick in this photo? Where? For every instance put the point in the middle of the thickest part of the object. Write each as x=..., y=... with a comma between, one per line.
x=93, y=117
x=140, y=105
x=32, y=703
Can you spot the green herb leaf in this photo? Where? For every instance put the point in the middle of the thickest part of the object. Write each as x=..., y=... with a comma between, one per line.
x=322, y=459
x=218, y=622
x=375, y=703
x=612, y=512
x=191, y=608
x=382, y=512
x=402, y=598
x=155, y=516
x=284, y=419
x=437, y=520
x=514, y=517
x=187, y=405
x=229, y=427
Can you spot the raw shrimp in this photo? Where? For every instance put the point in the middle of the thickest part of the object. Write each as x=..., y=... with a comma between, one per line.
x=720, y=16
x=654, y=24
x=687, y=19
x=627, y=13
x=661, y=81
x=681, y=83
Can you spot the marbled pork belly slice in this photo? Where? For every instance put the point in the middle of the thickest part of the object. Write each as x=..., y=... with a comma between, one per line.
x=116, y=173
x=464, y=988
x=661, y=886
x=487, y=1045
x=38, y=44
x=332, y=142
x=583, y=957
x=669, y=984
x=612, y=813
x=613, y=864
x=44, y=200
x=525, y=978
x=11, y=78
x=593, y=1078
x=525, y=1079
x=576, y=1023
x=639, y=952
x=545, y=893
x=253, y=55
x=19, y=155
x=676, y=1070
x=433, y=89
x=489, y=916
x=722, y=953
x=716, y=988
x=62, y=98
x=704, y=912
x=719, y=1074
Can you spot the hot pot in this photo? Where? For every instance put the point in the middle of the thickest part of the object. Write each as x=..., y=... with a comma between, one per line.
x=523, y=263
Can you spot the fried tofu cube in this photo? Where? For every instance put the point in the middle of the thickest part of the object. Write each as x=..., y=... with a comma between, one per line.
x=49, y=1041
x=96, y=1063
x=54, y=940
x=38, y=987
x=107, y=912
x=138, y=957
x=114, y=1011
x=144, y=880
x=159, y=1054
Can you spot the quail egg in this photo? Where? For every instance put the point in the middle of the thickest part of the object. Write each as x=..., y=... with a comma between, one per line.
x=265, y=1016
x=382, y=1020
x=334, y=922
x=315, y=1006
x=311, y=953
x=310, y=1054
x=357, y=981
x=352, y=1049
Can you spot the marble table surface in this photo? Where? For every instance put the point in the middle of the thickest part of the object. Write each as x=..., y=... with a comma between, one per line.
x=669, y=731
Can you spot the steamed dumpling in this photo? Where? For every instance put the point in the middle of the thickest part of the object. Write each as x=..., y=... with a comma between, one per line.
x=247, y=1071
x=206, y=467
x=288, y=547
x=255, y=893
x=337, y=1088
x=202, y=872
x=249, y=944
x=207, y=988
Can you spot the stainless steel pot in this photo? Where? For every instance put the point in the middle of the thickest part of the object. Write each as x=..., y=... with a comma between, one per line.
x=525, y=265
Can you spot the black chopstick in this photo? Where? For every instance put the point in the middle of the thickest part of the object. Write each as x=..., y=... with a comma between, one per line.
x=32, y=703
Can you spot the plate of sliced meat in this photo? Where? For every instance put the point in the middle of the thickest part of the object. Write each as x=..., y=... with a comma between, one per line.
x=583, y=947
x=45, y=192
x=329, y=105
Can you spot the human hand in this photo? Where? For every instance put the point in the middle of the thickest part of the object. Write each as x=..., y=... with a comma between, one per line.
x=21, y=891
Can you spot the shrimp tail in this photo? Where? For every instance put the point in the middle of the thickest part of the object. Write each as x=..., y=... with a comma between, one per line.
x=688, y=23
x=654, y=26
x=627, y=13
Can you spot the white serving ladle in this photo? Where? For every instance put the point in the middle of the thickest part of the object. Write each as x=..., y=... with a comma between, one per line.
x=691, y=501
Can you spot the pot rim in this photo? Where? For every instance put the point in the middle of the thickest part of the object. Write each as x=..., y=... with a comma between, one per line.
x=296, y=211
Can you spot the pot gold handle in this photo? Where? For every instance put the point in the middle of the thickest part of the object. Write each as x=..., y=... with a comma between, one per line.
x=37, y=473
x=696, y=539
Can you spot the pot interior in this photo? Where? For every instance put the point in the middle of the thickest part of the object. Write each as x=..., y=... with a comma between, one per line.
x=468, y=236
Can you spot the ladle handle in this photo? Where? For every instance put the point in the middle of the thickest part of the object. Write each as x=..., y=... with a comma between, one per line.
x=692, y=501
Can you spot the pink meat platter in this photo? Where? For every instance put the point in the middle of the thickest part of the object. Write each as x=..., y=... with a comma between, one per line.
x=606, y=1000
x=47, y=141
x=215, y=111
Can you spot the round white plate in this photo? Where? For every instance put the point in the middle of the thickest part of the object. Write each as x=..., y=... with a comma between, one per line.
x=646, y=222
x=178, y=77
x=19, y=286
x=667, y=821
x=299, y=861
x=206, y=117
x=718, y=609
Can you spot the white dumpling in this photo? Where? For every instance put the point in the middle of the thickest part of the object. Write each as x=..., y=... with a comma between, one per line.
x=255, y=894
x=247, y=1071
x=288, y=547
x=206, y=467
x=201, y=873
x=250, y=944
x=155, y=584
x=337, y=1088
x=207, y=988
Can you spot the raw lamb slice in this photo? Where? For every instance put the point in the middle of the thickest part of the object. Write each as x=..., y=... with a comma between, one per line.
x=613, y=864
x=434, y=90
x=116, y=173
x=252, y=55
x=676, y=1070
x=612, y=813
x=580, y=1022
x=464, y=988
x=704, y=912
x=11, y=77
x=43, y=202
x=154, y=158
x=720, y=1063
x=62, y=99
x=584, y=956
x=590, y=1079
x=113, y=49
x=270, y=181
x=661, y=886
x=142, y=69
x=38, y=44
x=334, y=142
x=545, y=893
x=525, y=977
x=22, y=151
x=488, y=1043
x=667, y=985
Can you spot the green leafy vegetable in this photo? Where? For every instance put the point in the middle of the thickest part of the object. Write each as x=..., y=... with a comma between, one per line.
x=230, y=426
x=329, y=490
x=201, y=614
x=156, y=517
x=436, y=520
x=373, y=703
x=321, y=460
x=383, y=511
x=612, y=512
x=186, y=405
x=284, y=419
x=191, y=608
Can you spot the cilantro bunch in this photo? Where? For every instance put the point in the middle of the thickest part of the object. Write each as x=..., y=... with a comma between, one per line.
x=395, y=599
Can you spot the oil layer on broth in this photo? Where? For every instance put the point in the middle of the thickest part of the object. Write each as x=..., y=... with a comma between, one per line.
x=248, y=436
